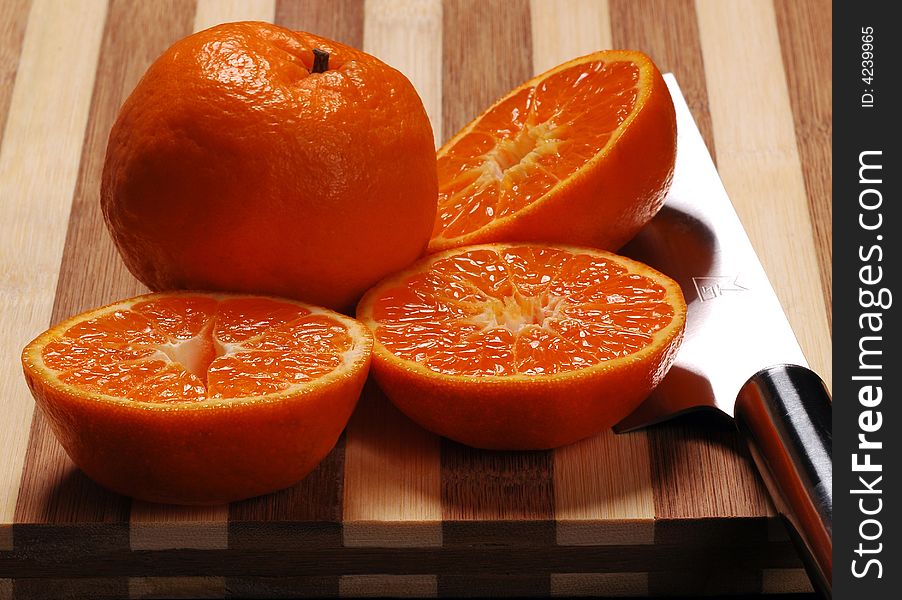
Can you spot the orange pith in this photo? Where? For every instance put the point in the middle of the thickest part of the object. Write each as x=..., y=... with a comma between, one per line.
x=520, y=310
x=518, y=346
x=184, y=348
x=543, y=149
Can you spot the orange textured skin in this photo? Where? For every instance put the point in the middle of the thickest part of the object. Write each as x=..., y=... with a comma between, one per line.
x=524, y=412
x=609, y=199
x=232, y=167
x=202, y=453
x=521, y=415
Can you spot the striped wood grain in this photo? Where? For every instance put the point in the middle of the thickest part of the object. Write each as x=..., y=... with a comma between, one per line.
x=214, y=12
x=165, y=527
x=392, y=496
x=392, y=469
x=417, y=53
x=82, y=588
x=297, y=586
x=391, y=483
x=53, y=490
x=689, y=470
x=45, y=123
x=561, y=33
x=309, y=512
x=496, y=585
x=760, y=164
x=675, y=48
x=805, y=28
x=500, y=496
x=490, y=497
x=155, y=526
x=140, y=588
x=340, y=20
x=487, y=50
x=13, y=19
x=609, y=585
x=602, y=485
x=388, y=586
x=603, y=491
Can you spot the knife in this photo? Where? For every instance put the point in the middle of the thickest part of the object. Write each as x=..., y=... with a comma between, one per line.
x=739, y=354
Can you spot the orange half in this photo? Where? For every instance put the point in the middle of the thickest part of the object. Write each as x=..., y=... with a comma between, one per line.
x=195, y=398
x=581, y=154
x=522, y=346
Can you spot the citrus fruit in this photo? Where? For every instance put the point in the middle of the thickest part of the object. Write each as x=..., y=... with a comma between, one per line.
x=238, y=164
x=519, y=347
x=581, y=154
x=193, y=398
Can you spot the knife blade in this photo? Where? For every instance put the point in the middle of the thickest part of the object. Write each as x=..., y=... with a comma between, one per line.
x=735, y=325
x=739, y=355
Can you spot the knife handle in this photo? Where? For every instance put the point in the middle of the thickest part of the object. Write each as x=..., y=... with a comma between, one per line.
x=785, y=413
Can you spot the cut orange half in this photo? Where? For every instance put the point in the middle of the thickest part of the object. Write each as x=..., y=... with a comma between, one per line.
x=581, y=154
x=193, y=398
x=511, y=346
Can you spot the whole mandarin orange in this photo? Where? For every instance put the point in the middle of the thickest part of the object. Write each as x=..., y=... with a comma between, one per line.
x=239, y=164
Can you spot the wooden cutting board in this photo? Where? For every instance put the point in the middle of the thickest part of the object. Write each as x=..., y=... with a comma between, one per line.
x=394, y=510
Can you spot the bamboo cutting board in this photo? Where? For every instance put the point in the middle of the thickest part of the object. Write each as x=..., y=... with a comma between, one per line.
x=394, y=510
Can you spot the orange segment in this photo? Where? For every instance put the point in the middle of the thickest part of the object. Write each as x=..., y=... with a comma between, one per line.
x=264, y=372
x=310, y=334
x=171, y=348
x=180, y=317
x=583, y=153
x=68, y=353
x=539, y=323
x=171, y=383
x=242, y=318
x=197, y=398
x=122, y=327
x=135, y=380
x=483, y=344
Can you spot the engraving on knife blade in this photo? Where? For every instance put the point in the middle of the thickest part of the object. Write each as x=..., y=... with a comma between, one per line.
x=714, y=286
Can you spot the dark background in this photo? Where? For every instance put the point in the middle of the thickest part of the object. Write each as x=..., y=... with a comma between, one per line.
x=855, y=130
